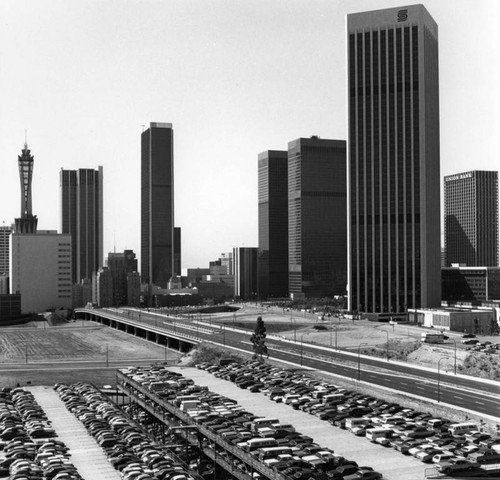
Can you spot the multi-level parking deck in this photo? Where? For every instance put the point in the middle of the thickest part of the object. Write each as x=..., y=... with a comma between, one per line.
x=213, y=446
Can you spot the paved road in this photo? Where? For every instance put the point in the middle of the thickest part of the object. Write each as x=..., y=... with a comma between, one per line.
x=460, y=391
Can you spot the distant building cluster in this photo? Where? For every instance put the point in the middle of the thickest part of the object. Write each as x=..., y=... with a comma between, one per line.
x=356, y=218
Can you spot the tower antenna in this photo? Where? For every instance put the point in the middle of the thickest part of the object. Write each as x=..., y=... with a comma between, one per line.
x=25, y=138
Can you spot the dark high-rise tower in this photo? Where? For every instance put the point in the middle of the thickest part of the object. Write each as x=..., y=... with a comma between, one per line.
x=82, y=217
x=120, y=265
x=157, y=204
x=27, y=223
x=393, y=161
x=317, y=236
x=471, y=218
x=273, y=223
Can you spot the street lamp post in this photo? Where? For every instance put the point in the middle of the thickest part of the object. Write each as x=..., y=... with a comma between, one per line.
x=387, y=345
x=301, y=349
x=359, y=360
x=455, y=361
x=438, y=378
x=107, y=356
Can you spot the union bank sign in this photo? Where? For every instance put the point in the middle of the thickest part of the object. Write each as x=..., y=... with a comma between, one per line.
x=459, y=176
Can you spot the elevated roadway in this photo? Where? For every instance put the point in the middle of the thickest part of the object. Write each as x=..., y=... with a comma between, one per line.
x=467, y=393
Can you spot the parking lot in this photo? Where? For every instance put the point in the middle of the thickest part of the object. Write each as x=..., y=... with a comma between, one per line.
x=389, y=462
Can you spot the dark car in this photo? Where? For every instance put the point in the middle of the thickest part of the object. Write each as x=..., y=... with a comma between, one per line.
x=364, y=474
x=348, y=468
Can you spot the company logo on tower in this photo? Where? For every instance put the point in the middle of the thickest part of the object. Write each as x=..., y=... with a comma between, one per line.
x=403, y=15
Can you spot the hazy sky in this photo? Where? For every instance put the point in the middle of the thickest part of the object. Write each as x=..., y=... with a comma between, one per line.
x=235, y=78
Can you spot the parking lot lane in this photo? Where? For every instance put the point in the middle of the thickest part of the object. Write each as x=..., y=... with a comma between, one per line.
x=86, y=455
x=391, y=463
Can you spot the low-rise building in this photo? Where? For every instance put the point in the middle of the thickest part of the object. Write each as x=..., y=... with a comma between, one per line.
x=10, y=308
x=40, y=270
x=473, y=320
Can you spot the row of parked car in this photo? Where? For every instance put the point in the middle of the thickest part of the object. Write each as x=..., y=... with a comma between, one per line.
x=292, y=454
x=451, y=446
x=127, y=446
x=29, y=449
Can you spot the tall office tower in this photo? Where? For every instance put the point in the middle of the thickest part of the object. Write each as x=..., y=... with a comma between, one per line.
x=82, y=217
x=471, y=218
x=226, y=260
x=102, y=287
x=393, y=161
x=27, y=223
x=273, y=223
x=245, y=272
x=120, y=265
x=157, y=204
x=134, y=289
x=177, y=251
x=4, y=249
x=317, y=236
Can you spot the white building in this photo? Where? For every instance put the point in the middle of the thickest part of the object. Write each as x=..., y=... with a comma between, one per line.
x=40, y=270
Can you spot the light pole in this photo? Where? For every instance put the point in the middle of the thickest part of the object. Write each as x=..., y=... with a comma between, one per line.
x=359, y=360
x=455, y=361
x=438, y=383
x=387, y=345
x=333, y=328
x=301, y=350
x=107, y=356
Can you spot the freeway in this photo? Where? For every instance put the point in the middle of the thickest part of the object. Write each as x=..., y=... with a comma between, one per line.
x=467, y=393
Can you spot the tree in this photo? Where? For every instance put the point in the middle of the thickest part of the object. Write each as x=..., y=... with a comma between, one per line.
x=493, y=327
x=258, y=340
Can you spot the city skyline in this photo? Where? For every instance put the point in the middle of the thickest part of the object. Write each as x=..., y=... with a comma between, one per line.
x=225, y=74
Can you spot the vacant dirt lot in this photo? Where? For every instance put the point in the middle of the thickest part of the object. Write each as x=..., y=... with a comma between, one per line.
x=73, y=342
x=74, y=352
x=348, y=334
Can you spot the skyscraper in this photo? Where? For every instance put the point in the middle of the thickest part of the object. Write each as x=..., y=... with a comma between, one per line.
x=82, y=217
x=120, y=265
x=4, y=249
x=317, y=232
x=393, y=161
x=27, y=223
x=471, y=218
x=245, y=272
x=177, y=251
x=157, y=204
x=273, y=223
